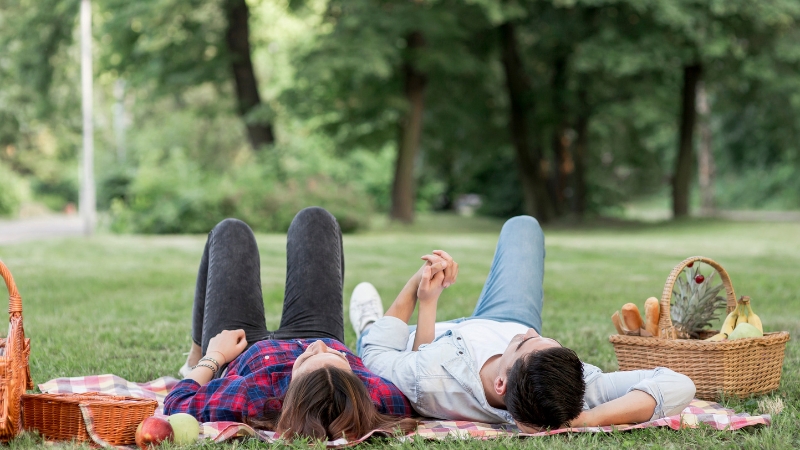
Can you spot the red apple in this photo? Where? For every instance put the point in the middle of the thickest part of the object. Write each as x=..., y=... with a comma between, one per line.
x=152, y=431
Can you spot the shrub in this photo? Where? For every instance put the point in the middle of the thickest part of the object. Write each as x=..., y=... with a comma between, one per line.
x=13, y=190
x=171, y=194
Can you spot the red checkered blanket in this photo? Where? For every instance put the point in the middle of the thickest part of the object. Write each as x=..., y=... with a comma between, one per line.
x=698, y=412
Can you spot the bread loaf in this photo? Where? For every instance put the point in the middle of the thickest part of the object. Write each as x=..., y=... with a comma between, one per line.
x=652, y=310
x=615, y=319
x=631, y=319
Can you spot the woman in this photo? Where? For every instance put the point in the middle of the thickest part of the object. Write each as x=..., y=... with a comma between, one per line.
x=299, y=380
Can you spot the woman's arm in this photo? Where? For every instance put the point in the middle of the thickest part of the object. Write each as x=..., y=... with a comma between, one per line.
x=403, y=306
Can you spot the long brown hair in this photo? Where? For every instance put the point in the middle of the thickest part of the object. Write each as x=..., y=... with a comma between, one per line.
x=329, y=403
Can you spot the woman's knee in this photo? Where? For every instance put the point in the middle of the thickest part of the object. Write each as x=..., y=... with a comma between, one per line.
x=314, y=215
x=230, y=228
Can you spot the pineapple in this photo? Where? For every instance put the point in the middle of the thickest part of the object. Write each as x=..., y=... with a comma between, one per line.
x=694, y=302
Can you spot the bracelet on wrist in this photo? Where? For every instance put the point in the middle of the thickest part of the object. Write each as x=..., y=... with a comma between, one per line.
x=208, y=366
x=210, y=359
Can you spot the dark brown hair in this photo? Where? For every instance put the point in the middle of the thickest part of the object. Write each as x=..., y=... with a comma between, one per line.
x=545, y=388
x=327, y=404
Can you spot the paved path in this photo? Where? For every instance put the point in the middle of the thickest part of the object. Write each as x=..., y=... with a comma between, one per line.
x=37, y=228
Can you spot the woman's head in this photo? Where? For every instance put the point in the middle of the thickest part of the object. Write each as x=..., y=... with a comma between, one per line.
x=329, y=403
x=317, y=356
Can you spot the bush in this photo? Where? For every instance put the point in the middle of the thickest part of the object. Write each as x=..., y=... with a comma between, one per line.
x=13, y=190
x=171, y=194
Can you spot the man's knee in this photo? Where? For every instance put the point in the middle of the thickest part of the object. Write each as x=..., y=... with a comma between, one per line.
x=522, y=224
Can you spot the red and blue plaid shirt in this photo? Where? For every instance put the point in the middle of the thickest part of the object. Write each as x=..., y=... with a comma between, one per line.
x=259, y=378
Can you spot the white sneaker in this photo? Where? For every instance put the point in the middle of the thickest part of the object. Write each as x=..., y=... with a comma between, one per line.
x=184, y=370
x=365, y=307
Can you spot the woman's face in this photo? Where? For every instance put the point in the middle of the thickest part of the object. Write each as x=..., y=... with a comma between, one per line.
x=317, y=356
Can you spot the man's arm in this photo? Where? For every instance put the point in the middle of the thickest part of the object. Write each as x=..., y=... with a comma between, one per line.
x=633, y=407
x=430, y=288
x=634, y=396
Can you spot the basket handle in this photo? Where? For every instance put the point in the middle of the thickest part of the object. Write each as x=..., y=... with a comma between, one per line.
x=14, y=299
x=665, y=320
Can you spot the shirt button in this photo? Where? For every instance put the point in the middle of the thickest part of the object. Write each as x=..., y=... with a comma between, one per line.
x=460, y=353
x=458, y=338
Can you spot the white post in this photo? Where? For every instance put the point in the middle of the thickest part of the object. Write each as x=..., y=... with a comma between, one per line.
x=88, y=203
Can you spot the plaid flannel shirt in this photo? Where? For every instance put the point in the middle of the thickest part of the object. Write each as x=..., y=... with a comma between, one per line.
x=259, y=378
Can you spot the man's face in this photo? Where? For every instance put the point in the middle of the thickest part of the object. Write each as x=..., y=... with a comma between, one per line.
x=521, y=345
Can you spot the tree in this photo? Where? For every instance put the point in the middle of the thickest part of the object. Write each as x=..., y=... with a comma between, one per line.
x=237, y=38
x=410, y=130
x=520, y=98
x=183, y=44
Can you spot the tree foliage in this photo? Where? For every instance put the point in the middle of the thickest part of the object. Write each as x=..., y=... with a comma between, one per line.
x=593, y=112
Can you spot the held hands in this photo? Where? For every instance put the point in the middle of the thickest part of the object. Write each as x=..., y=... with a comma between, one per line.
x=438, y=272
x=228, y=345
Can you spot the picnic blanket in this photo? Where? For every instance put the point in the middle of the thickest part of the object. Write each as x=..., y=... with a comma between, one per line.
x=698, y=412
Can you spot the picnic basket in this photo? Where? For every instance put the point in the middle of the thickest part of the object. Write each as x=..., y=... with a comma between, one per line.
x=15, y=376
x=736, y=368
x=89, y=417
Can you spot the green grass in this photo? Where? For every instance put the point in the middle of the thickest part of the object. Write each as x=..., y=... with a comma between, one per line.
x=122, y=304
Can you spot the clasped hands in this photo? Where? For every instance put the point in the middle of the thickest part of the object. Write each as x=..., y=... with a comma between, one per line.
x=438, y=272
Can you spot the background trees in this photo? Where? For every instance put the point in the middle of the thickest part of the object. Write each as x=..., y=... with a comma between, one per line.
x=250, y=108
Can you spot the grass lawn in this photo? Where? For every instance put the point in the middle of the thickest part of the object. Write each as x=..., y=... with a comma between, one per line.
x=122, y=304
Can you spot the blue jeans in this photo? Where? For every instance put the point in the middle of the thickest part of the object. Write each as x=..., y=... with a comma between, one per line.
x=513, y=292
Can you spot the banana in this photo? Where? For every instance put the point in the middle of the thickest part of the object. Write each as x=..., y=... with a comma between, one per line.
x=718, y=337
x=727, y=326
x=752, y=318
x=743, y=314
x=730, y=322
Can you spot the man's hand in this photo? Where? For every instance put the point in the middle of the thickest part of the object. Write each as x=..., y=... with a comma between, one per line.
x=430, y=284
x=229, y=344
x=450, y=271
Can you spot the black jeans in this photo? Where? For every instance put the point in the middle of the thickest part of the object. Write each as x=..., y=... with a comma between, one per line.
x=228, y=292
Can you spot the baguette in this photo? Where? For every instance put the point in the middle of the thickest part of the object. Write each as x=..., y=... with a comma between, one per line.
x=652, y=311
x=615, y=319
x=631, y=319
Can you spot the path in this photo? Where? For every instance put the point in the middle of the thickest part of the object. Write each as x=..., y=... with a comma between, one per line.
x=38, y=228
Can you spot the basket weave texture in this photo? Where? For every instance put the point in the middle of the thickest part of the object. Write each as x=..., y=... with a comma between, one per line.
x=734, y=368
x=15, y=376
x=113, y=419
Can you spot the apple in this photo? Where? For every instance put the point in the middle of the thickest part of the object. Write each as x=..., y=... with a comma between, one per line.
x=152, y=431
x=185, y=427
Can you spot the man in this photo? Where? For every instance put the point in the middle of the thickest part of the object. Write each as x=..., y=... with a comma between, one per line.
x=495, y=366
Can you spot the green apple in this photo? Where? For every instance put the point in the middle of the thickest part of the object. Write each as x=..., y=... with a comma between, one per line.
x=185, y=427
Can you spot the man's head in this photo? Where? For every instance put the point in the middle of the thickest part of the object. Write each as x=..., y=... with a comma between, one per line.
x=541, y=382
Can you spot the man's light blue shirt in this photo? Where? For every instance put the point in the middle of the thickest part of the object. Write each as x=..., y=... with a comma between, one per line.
x=441, y=379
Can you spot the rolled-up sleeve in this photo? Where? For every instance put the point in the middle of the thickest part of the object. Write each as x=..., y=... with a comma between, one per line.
x=671, y=390
x=384, y=353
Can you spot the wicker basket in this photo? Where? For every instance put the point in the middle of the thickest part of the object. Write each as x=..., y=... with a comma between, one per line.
x=734, y=368
x=65, y=416
x=15, y=376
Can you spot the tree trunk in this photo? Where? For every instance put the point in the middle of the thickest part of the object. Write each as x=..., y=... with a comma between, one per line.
x=705, y=155
x=403, y=187
x=561, y=172
x=682, y=179
x=237, y=38
x=520, y=100
x=581, y=148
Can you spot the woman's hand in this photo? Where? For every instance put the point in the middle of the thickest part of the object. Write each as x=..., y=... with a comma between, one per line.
x=229, y=344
